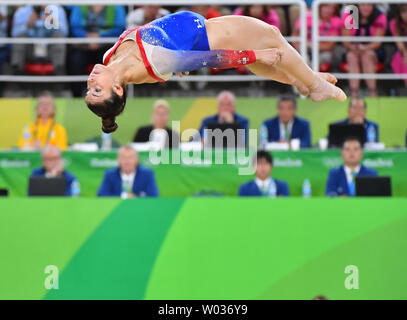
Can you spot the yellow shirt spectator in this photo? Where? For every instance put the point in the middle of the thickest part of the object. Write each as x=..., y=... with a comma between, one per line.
x=38, y=135
x=44, y=131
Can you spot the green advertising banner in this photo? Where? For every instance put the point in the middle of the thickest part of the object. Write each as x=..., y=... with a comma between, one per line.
x=213, y=248
x=183, y=175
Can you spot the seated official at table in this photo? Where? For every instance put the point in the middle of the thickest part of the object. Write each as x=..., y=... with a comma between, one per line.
x=130, y=179
x=226, y=114
x=45, y=130
x=341, y=180
x=161, y=115
x=264, y=185
x=286, y=125
x=53, y=166
x=357, y=115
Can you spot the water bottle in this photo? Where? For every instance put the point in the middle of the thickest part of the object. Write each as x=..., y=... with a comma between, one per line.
x=75, y=188
x=306, y=189
x=263, y=137
x=205, y=137
x=26, y=137
x=106, y=142
x=371, y=134
x=272, y=189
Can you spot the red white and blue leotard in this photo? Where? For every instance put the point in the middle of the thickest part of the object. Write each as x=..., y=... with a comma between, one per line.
x=179, y=43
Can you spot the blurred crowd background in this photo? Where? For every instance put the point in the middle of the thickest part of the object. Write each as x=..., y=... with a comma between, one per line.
x=110, y=21
x=53, y=122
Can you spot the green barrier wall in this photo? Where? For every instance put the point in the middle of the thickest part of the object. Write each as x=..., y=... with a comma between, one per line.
x=181, y=180
x=81, y=124
x=203, y=248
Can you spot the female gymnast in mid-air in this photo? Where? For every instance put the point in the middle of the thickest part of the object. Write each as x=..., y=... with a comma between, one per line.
x=186, y=41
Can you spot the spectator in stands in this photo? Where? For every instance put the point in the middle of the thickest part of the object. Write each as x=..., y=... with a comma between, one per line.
x=44, y=130
x=260, y=12
x=294, y=13
x=208, y=12
x=398, y=27
x=130, y=179
x=341, y=180
x=144, y=15
x=226, y=114
x=53, y=166
x=4, y=48
x=264, y=185
x=286, y=125
x=365, y=57
x=162, y=133
x=39, y=22
x=329, y=25
x=357, y=115
x=93, y=22
x=309, y=3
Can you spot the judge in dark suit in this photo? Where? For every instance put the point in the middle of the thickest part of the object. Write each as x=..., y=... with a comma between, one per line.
x=226, y=114
x=287, y=126
x=130, y=179
x=341, y=180
x=357, y=115
x=264, y=185
x=161, y=114
x=53, y=166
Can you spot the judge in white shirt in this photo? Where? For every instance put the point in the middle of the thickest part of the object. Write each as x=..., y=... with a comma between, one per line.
x=286, y=126
x=264, y=185
x=341, y=180
x=130, y=179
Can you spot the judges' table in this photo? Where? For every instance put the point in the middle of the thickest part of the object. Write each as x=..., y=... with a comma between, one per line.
x=185, y=174
x=196, y=248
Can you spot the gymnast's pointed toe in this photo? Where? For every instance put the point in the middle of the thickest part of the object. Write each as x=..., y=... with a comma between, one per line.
x=341, y=95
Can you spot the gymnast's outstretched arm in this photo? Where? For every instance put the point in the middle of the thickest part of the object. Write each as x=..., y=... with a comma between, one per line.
x=171, y=61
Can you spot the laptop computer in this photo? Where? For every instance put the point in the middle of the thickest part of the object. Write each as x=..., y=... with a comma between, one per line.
x=339, y=132
x=42, y=186
x=373, y=186
x=231, y=129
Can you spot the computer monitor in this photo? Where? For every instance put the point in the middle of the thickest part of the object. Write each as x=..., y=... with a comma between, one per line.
x=373, y=186
x=42, y=186
x=339, y=132
x=232, y=129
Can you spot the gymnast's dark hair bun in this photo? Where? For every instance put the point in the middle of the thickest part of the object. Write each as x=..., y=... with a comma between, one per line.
x=109, y=109
x=109, y=125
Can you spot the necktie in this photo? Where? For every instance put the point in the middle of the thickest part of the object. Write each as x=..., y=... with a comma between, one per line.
x=352, y=186
x=287, y=133
x=265, y=189
x=127, y=185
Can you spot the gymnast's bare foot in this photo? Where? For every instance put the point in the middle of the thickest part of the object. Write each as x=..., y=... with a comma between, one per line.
x=269, y=56
x=305, y=91
x=328, y=77
x=322, y=90
x=302, y=88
